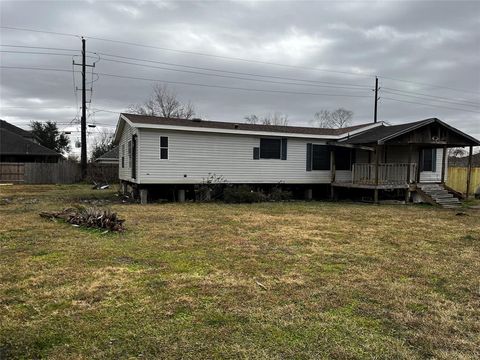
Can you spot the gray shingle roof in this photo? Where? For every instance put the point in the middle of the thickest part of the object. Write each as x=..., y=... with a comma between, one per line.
x=156, y=120
x=15, y=129
x=383, y=132
x=15, y=144
x=112, y=154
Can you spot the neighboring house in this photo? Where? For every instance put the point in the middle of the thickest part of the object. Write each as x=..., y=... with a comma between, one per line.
x=181, y=153
x=18, y=145
x=110, y=157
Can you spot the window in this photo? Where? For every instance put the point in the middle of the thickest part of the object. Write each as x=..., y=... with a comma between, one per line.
x=123, y=156
x=343, y=158
x=429, y=157
x=163, y=147
x=129, y=145
x=273, y=148
x=318, y=157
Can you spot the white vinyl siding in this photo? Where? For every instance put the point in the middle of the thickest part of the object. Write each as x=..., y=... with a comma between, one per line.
x=193, y=155
x=125, y=173
x=435, y=176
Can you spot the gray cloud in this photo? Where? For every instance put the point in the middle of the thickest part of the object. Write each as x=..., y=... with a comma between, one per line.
x=426, y=42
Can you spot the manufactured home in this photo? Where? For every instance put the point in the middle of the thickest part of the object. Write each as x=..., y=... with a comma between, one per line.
x=375, y=158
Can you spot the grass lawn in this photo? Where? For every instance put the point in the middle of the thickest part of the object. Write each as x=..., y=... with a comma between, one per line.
x=341, y=280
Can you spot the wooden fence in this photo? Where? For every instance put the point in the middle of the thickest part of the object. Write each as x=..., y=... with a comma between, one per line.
x=56, y=173
x=457, y=179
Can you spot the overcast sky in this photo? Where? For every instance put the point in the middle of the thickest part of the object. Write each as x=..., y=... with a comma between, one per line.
x=423, y=42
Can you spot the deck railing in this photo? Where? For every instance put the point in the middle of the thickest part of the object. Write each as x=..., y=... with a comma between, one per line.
x=388, y=173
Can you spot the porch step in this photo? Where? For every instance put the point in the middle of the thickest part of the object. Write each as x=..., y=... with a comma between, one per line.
x=439, y=195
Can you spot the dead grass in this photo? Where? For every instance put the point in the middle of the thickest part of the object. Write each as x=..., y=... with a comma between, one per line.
x=343, y=281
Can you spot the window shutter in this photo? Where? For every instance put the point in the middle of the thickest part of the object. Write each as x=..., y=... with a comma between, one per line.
x=284, y=148
x=309, y=157
x=256, y=153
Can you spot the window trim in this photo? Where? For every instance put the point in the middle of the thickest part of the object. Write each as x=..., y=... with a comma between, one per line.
x=160, y=148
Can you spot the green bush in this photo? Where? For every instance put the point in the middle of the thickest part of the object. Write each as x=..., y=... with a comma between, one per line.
x=242, y=194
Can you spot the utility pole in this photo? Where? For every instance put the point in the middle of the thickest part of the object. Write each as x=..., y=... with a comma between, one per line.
x=376, y=100
x=84, y=116
x=83, y=123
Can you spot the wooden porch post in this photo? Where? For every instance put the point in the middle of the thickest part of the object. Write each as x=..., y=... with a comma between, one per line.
x=469, y=171
x=419, y=165
x=444, y=157
x=409, y=162
x=332, y=165
x=375, y=194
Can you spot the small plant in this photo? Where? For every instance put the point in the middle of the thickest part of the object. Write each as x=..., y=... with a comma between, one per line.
x=211, y=188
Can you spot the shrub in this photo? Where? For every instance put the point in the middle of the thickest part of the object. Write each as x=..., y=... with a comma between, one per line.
x=242, y=194
x=278, y=194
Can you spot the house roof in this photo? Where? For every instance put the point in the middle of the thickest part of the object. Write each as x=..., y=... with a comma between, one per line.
x=109, y=155
x=14, y=144
x=384, y=133
x=144, y=121
x=15, y=129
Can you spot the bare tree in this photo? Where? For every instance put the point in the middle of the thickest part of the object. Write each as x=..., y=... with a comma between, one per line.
x=336, y=119
x=103, y=143
x=276, y=118
x=164, y=102
x=457, y=152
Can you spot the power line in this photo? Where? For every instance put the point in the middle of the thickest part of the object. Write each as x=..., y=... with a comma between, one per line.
x=231, y=72
x=429, y=99
x=228, y=87
x=308, y=82
x=442, y=98
x=431, y=105
x=191, y=52
x=234, y=77
x=428, y=84
x=189, y=83
x=39, y=31
x=234, y=58
x=39, y=47
x=41, y=53
x=38, y=107
x=34, y=53
x=35, y=68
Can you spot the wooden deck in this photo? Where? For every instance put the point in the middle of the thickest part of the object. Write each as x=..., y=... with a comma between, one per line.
x=370, y=186
x=380, y=176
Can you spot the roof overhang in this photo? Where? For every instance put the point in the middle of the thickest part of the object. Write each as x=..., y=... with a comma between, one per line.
x=469, y=140
x=124, y=119
x=428, y=122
